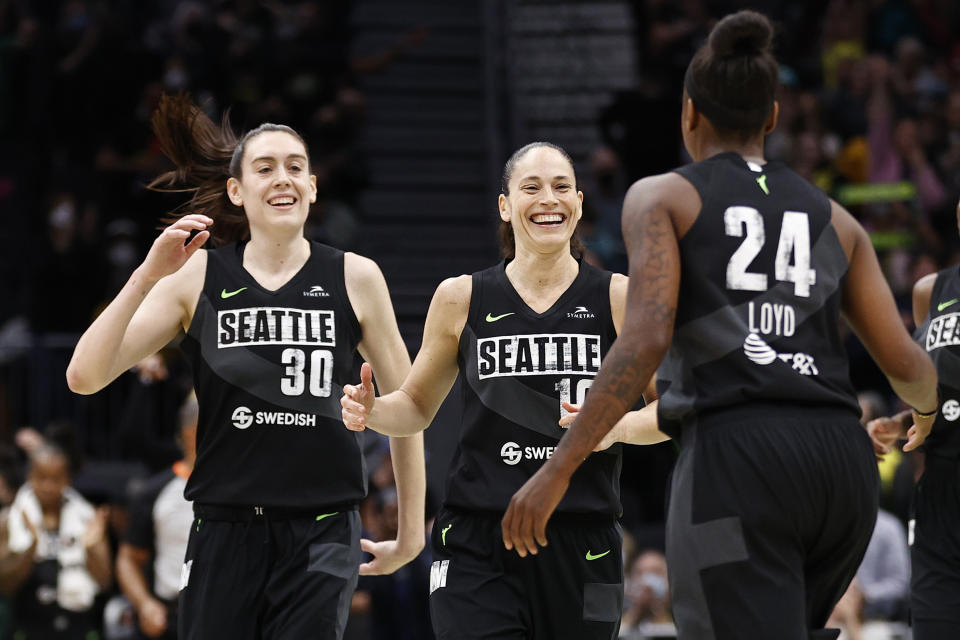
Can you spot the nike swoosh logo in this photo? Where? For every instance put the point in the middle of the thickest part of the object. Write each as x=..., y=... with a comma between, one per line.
x=944, y=305
x=493, y=318
x=443, y=534
x=224, y=294
x=326, y=515
x=590, y=556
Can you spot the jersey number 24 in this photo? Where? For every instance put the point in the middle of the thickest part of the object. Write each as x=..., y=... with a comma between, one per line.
x=794, y=241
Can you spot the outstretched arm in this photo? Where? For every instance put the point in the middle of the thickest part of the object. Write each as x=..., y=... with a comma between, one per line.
x=383, y=346
x=635, y=427
x=410, y=409
x=645, y=337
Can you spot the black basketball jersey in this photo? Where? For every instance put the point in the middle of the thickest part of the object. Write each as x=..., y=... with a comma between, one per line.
x=762, y=268
x=940, y=336
x=268, y=368
x=517, y=366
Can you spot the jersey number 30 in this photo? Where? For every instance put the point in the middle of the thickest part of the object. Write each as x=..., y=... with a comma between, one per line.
x=320, y=372
x=794, y=240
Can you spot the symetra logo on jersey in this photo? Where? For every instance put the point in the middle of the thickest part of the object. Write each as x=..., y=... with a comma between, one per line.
x=581, y=313
x=538, y=354
x=316, y=291
x=944, y=331
x=275, y=325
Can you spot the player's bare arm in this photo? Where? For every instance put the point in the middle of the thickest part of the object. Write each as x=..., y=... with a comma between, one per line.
x=410, y=409
x=156, y=302
x=870, y=310
x=382, y=346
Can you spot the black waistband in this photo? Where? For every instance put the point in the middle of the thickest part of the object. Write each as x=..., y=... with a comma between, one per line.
x=763, y=413
x=231, y=513
x=558, y=517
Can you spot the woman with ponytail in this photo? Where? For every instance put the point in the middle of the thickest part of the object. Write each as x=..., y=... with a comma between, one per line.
x=739, y=271
x=272, y=322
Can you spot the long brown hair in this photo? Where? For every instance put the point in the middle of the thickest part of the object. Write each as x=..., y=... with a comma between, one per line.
x=205, y=155
x=508, y=245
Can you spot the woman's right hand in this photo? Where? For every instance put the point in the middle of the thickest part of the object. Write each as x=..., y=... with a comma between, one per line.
x=357, y=400
x=170, y=250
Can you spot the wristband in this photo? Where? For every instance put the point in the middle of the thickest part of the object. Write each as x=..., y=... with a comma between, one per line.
x=928, y=414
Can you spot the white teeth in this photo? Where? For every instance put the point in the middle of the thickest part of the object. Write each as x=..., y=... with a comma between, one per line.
x=283, y=200
x=544, y=218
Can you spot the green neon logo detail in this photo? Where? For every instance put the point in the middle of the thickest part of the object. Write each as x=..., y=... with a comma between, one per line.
x=443, y=534
x=326, y=515
x=225, y=295
x=590, y=556
x=493, y=318
x=762, y=181
x=199, y=520
x=944, y=305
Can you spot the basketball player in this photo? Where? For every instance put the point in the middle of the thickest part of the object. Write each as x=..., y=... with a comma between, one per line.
x=739, y=270
x=272, y=322
x=526, y=334
x=935, y=526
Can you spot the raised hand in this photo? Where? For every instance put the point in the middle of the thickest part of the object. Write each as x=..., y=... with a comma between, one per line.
x=170, y=250
x=357, y=400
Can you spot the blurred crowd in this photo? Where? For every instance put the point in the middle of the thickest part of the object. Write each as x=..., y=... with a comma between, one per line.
x=869, y=111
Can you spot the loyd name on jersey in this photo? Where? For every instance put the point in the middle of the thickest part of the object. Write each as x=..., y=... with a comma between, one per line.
x=275, y=325
x=538, y=354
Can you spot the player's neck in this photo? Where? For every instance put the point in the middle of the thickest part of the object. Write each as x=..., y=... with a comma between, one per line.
x=275, y=258
x=536, y=274
x=751, y=151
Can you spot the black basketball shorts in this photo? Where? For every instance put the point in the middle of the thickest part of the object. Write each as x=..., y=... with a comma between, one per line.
x=571, y=590
x=769, y=517
x=935, y=551
x=253, y=572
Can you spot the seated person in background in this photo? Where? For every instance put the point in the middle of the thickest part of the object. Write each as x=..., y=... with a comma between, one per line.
x=160, y=519
x=647, y=598
x=62, y=558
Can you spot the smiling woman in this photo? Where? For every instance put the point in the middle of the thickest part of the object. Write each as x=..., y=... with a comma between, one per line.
x=272, y=324
x=527, y=335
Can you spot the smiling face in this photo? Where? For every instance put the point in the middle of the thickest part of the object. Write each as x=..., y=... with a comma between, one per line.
x=275, y=187
x=542, y=204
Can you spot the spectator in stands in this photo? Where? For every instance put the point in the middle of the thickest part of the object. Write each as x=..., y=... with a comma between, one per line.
x=647, y=598
x=160, y=519
x=63, y=558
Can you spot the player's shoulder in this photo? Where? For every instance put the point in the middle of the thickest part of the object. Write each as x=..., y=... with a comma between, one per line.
x=356, y=266
x=455, y=291
x=618, y=284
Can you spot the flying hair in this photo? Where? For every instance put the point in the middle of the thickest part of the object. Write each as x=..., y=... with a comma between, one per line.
x=205, y=156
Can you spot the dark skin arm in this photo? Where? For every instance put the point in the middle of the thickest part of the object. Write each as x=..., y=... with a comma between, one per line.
x=651, y=236
x=131, y=565
x=885, y=432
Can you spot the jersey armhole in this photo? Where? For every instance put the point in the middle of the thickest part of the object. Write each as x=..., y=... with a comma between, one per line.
x=353, y=324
